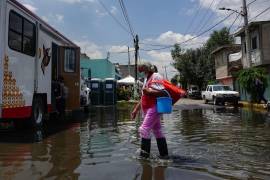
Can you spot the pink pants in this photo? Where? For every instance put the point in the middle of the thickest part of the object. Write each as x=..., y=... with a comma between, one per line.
x=151, y=121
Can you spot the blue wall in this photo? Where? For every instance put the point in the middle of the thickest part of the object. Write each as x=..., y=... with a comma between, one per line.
x=245, y=96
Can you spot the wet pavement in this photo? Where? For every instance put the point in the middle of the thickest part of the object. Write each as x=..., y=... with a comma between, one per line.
x=205, y=142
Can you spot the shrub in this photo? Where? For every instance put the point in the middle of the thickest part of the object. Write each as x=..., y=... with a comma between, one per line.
x=247, y=77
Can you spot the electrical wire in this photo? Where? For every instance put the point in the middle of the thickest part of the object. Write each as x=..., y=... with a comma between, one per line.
x=126, y=17
x=208, y=20
x=234, y=22
x=204, y=16
x=116, y=20
x=260, y=13
x=207, y=30
x=193, y=19
x=251, y=2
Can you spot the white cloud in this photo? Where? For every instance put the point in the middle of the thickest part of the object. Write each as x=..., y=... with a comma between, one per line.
x=162, y=60
x=117, y=49
x=59, y=17
x=253, y=9
x=113, y=10
x=171, y=38
x=30, y=7
x=91, y=49
x=164, y=57
x=71, y=1
x=76, y=1
x=100, y=13
x=54, y=18
x=45, y=18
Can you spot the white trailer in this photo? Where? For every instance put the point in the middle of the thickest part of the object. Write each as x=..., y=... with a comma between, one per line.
x=32, y=56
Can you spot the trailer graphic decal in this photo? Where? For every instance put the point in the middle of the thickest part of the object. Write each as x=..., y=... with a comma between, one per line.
x=12, y=96
x=46, y=59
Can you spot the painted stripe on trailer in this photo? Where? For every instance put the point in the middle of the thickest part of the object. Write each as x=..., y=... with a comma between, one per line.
x=49, y=107
x=19, y=112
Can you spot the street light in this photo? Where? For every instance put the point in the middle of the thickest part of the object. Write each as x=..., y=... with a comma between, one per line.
x=229, y=9
x=244, y=13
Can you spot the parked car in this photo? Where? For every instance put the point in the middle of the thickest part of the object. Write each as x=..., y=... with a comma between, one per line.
x=194, y=92
x=220, y=94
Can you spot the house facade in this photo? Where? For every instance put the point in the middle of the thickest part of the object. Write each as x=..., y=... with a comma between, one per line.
x=225, y=64
x=259, y=36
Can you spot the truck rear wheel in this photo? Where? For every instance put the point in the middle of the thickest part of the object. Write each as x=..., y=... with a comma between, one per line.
x=205, y=100
x=215, y=101
x=38, y=112
x=235, y=103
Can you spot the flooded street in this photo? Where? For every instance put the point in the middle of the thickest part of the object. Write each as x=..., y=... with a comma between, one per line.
x=222, y=143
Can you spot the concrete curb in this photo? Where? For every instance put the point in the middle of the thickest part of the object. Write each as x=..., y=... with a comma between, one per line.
x=252, y=105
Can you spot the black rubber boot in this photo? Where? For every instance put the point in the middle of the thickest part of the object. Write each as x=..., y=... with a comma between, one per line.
x=162, y=148
x=145, y=148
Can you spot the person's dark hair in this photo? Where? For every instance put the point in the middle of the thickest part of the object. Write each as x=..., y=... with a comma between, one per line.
x=155, y=68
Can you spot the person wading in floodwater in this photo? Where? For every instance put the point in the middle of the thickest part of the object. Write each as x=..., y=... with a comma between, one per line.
x=151, y=118
x=61, y=96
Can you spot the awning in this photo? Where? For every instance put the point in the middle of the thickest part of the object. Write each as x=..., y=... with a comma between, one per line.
x=129, y=80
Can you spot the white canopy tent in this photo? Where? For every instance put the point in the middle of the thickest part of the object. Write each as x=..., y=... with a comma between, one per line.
x=129, y=80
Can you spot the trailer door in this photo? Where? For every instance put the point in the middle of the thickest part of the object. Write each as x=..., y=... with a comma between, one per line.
x=69, y=69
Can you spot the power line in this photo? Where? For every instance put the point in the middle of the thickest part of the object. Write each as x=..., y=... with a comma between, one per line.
x=251, y=2
x=209, y=29
x=211, y=15
x=234, y=22
x=193, y=19
x=260, y=13
x=125, y=14
x=158, y=45
x=122, y=52
x=119, y=23
x=205, y=14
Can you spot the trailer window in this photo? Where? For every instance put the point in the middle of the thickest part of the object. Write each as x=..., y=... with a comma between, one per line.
x=70, y=61
x=22, y=34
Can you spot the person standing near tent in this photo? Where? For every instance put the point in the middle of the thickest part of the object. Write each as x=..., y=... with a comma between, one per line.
x=151, y=118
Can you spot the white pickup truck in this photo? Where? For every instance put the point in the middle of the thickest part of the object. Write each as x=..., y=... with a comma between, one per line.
x=220, y=94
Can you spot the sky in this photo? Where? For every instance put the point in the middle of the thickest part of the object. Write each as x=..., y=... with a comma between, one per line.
x=99, y=27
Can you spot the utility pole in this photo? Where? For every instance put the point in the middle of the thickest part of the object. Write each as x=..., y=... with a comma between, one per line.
x=128, y=62
x=136, y=46
x=245, y=15
x=166, y=72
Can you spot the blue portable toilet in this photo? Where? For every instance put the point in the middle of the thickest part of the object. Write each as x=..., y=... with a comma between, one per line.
x=110, y=91
x=96, y=86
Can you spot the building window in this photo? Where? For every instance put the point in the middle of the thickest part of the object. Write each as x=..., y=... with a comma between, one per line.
x=70, y=60
x=254, y=44
x=21, y=34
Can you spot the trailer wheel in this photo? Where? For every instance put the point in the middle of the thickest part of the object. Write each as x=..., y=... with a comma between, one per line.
x=37, y=112
x=86, y=109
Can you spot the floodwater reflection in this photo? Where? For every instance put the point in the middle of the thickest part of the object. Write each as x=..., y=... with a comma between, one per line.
x=104, y=144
